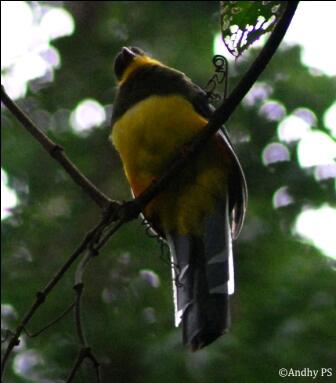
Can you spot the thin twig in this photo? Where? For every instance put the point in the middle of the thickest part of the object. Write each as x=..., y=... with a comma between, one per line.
x=79, y=288
x=61, y=316
x=42, y=295
x=109, y=234
x=77, y=364
x=85, y=351
x=56, y=152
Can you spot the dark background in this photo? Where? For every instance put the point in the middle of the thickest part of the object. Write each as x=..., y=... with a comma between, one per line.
x=283, y=311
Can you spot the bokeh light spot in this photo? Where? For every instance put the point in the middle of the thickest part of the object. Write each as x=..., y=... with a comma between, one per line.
x=88, y=114
x=150, y=277
x=14, y=40
x=316, y=148
x=275, y=152
x=258, y=93
x=324, y=172
x=318, y=227
x=57, y=22
x=26, y=32
x=282, y=198
x=292, y=128
x=26, y=362
x=9, y=198
x=306, y=115
x=272, y=110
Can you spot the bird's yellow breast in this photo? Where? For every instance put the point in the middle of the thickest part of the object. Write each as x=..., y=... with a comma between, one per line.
x=147, y=137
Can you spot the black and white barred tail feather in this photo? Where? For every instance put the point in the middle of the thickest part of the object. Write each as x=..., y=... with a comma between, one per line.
x=202, y=268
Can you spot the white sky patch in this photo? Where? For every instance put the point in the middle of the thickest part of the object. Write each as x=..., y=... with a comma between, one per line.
x=313, y=27
x=26, y=32
x=57, y=22
x=29, y=67
x=218, y=48
x=318, y=227
x=316, y=148
x=8, y=197
x=87, y=115
x=14, y=40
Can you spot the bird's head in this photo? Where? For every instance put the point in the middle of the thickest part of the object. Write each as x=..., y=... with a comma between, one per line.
x=130, y=59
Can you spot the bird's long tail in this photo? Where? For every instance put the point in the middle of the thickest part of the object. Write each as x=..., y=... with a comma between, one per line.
x=202, y=269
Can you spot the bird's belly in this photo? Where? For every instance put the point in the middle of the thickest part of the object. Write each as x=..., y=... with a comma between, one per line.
x=147, y=137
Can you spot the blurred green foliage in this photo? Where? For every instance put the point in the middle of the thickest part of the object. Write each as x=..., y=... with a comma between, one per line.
x=284, y=307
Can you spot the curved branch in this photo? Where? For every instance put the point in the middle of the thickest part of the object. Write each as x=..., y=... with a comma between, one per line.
x=56, y=152
x=131, y=209
x=223, y=112
x=54, y=321
x=90, y=238
x=85, y=350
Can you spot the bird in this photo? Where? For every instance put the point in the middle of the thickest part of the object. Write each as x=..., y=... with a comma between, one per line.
x=157, y=111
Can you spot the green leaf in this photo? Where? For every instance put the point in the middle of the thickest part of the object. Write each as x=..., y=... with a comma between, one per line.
x=244, y=22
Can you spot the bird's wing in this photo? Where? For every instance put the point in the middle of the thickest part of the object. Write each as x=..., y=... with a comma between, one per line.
x=237, y=181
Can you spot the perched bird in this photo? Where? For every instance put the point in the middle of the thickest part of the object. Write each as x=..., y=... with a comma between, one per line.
x=157, y=110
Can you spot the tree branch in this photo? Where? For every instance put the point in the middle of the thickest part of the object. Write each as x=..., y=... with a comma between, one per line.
x=84, y=353
x=54, y=321
x=91, y=238
x=85, y=350
x=56, y=152
x=223, y=112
